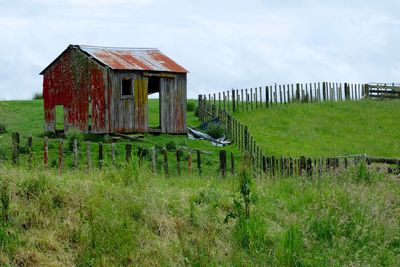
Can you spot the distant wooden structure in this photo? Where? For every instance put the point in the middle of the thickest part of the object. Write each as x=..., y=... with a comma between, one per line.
x=105, y=90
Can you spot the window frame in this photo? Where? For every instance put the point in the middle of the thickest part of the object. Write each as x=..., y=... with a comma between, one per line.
x=131, y=95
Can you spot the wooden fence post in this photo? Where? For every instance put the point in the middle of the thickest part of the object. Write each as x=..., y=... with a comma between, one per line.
x=190, y=161
x=198, y=161
x=88, y=156
x=309, y=167
x=246, y=138
x=222, y=162
x=15, y=148
x=241, y=98
x=60, y=156
x=273, y=166
x=46, y=152
x=75, y=152
x=251, y=98
x=224, y=97
x=200, y=107
x=302, y=165
x=233, y=101
x=297, y=92
x=128, y=153
x=30, y=151
x=101, y=155
x=113, y=154
x=166, y=170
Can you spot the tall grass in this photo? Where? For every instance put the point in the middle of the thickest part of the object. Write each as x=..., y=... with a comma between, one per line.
x=130, y=217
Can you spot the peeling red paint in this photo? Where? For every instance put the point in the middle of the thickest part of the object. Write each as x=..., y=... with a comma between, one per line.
x=69, y=82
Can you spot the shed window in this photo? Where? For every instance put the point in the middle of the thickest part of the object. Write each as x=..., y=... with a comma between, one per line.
x=126, y=87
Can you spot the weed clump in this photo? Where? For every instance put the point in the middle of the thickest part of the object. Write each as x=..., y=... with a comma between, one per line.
x=170, y=146
x=215, y=130
x=5, y=199
x=363, y=173
x=71, y=136
x=3, y=127
x=190, y=106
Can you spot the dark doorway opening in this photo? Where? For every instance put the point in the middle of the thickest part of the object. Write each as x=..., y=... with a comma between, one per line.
x=154, y=102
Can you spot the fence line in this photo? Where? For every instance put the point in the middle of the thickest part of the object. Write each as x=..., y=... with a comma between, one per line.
x=242, y=138
x=270, y=165
x=263, y=97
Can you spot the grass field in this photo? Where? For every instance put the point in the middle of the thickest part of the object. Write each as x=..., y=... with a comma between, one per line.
x=130, y=217
x=26, y=117
x=327, y=129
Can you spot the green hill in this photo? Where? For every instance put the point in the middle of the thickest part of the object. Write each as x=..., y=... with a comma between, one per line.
x=327, y=129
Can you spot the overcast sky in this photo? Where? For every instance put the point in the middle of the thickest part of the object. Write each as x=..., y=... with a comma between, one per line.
x=224, y=44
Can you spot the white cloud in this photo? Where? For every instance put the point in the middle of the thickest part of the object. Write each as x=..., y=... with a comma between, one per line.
x=240, y=44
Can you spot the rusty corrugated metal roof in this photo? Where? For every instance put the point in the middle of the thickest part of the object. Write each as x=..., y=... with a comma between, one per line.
x=120, y=58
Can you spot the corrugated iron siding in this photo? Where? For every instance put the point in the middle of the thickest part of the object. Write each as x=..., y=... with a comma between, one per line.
x=69, y=82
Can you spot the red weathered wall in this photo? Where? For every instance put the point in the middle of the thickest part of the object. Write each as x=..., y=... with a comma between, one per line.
x=69, y=82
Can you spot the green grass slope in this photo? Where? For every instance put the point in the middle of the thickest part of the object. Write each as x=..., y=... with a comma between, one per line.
x=130, y=217
x=327, y=129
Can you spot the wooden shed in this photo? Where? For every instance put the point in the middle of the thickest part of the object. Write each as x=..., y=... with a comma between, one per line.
x=105, y=90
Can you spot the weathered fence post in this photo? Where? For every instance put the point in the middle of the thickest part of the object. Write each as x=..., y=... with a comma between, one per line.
x=251, y=98
x=128, y=153
x=346, y=91
x=190, y=161
x=101, y=155
x=60, y=156
x=113, y=154
x=88, y=156
x=246, y=138
x=222, y=162
x=309, y=167
x=75, y=152
x=200, y=107
x=273, y=166
x=198, y=161
x=302, y=164
x=297, y=92
x=15, y=148
x=46, y=152
x=233, y=101
x=165, y=154
x=30, y=151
